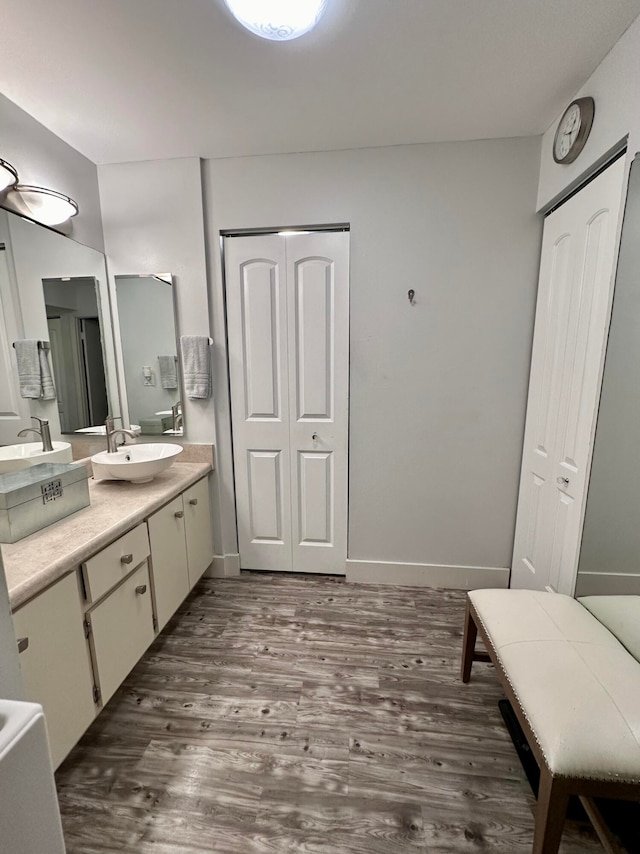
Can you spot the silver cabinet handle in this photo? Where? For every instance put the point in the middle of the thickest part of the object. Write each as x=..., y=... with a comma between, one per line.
x=141, y=588
x=193, y=501
x=179, y=514
x=563, y=480
x=126, y=559
x=23, y=643
x=315, y=437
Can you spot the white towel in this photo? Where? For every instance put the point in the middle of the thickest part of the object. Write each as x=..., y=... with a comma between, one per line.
x=168, y=372
x=47, y=388
x=196, y=366
x=36, y=382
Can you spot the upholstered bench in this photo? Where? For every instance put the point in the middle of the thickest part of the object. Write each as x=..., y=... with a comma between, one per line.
x=575, y=690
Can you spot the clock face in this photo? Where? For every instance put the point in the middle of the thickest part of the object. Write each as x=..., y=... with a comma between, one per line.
x=573, y=130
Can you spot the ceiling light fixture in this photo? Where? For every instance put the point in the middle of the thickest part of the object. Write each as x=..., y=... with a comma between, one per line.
x=8, y=175
x=47, y=207
x=277, y=20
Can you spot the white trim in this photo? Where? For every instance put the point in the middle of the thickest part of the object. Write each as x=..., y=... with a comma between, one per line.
x=224, y=566
x=607, y=583
x=427, y=574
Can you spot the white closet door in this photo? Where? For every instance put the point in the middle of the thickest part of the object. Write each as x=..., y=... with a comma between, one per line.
x=288, y=333
x=574, y=298
x=318, y=301
x=258, y=355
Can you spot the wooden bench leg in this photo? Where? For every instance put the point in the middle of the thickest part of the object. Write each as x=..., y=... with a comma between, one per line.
x=468, y=644
x=553, y=798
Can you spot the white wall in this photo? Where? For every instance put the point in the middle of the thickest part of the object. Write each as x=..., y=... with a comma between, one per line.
x=43, y=159
x=616, y=89
x=438, y=391
x=153, y=223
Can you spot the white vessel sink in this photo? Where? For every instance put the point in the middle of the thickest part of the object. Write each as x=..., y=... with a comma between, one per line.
x=135, y=463
x=16, y=457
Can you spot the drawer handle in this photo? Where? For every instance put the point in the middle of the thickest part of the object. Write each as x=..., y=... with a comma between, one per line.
x=23, y=643
x=126, y=559
x=193, y=501
x=179, y=514
x=141, y=588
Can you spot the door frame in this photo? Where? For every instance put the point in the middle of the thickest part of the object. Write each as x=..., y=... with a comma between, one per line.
x=284, y=230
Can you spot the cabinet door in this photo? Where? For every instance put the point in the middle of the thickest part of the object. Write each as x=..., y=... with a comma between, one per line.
x=197, y=513
x=56, y=666
x=168, y=560
x=122, y=627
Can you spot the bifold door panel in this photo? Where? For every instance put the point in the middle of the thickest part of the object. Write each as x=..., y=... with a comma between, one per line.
x=288, y=329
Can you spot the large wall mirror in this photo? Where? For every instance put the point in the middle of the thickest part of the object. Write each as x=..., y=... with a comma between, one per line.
x=110, y=353
x=147, y=343
x=55, y=290
x=610, y=554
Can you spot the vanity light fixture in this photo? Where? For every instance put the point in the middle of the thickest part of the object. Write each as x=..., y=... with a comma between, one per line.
x=277, y=20
x=47, y=207
x=8, y=175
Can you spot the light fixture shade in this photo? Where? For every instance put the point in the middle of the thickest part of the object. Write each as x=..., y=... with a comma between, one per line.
x=278, y=20
x=45, y=206
x=8, y=175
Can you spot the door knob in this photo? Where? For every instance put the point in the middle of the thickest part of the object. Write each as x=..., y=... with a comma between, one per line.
x=23, y=643
x=126, y=559
x=193, y=501
x=563, y=481
x=141, y=588
x=179, y=514
x=315, y=437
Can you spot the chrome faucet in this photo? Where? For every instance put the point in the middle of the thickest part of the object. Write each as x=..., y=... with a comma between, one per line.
x=176, y=414
x=112, y=443
x=43, y=432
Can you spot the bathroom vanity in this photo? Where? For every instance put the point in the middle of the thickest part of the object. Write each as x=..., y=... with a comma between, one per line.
x=90, y=593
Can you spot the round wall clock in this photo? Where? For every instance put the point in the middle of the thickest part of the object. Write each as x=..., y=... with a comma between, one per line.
x=573, y=130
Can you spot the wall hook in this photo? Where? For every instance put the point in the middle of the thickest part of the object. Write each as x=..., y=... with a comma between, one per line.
x=411, y=294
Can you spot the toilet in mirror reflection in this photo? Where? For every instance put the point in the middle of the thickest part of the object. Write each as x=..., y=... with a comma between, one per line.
x=149, y=366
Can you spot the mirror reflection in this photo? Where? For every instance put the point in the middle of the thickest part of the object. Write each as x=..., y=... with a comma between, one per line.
x=73, y=320
x=610, y=553
x=148, y=353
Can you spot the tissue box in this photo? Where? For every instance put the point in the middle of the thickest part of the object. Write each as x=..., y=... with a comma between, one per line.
x=38, y=496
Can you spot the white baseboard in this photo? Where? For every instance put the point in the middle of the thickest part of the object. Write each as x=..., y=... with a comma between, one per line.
x=607, y=583
x=224, y=566
x=426, y=574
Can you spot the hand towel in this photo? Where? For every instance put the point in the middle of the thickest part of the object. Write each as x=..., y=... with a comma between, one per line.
x=168, y=372
x=28, y=359
x=47, y=388
x=196, y=366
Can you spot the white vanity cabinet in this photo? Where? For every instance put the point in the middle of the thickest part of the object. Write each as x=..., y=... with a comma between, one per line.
x=181, y=548
x=197, y=518
x=169, y=559
x=56, y=666
x=121, y=630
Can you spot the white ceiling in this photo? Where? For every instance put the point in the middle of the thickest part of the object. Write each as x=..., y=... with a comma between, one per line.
x=144, y=79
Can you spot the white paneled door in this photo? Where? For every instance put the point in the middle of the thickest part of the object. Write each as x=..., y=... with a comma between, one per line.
x=572, y=316
x=288, y=334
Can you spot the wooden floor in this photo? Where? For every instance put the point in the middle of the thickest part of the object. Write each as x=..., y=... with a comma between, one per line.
x=290, y=713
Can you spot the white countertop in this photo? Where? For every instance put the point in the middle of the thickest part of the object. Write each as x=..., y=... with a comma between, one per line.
x=39, y=560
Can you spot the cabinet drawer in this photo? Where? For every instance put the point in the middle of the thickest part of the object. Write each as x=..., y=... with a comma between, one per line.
x=197, y=516
x=112, y=564
x=122, y=629
x=55, y=663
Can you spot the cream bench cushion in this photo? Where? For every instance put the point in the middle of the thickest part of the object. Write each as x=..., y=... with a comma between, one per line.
x=577, y=686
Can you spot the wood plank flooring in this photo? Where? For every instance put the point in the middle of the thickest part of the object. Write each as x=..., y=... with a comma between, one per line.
x=293, y=713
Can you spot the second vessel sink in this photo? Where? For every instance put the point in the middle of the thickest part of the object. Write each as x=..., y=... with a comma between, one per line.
x=135, y=463
x=16, y=457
